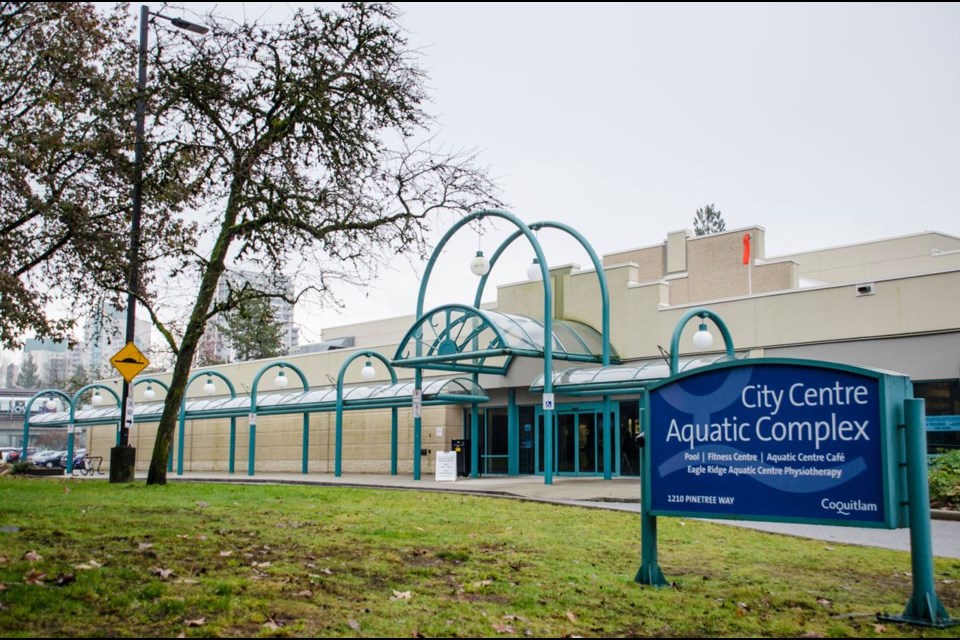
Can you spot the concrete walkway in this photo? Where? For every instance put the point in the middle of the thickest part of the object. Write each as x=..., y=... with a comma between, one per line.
x=620, y=494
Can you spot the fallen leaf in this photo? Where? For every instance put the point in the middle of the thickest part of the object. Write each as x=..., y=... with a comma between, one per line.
x=824, y=602
x=272, y=624
x=66, y=489
x=32, y=556
x=828, y=548
x=326, y=571
x=3, y=587
x=400, y=595
x=85, y=566
x=201, y=536
x=226, y=554
x=34, y=577
x=187, y=581
x=163, y=573
x=483, y=583
x=202, y=504
x=353, y=624
x=879, y=628
x=571, y=617
x=306, y=593
x=944, y=581
x=742, y=605
x=3, y=559
x=198, y=622
x=511, y=616
x=504, y=628
x=144, y=546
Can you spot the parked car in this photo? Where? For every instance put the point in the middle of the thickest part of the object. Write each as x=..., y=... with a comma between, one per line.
x=78, y=459
x=9, y=454
x=48, y=459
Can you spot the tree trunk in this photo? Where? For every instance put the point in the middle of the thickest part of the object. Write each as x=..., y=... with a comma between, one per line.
x=188, y=347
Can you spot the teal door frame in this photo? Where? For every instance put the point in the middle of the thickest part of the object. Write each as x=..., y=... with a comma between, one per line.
x=593, y=408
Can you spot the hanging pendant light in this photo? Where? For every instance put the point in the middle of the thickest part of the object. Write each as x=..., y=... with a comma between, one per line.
x=533, y=271
x=368, y=371
x=209, y=388
x=281, y=379
x=149, y=394
x=480, y=266
x=702, y=339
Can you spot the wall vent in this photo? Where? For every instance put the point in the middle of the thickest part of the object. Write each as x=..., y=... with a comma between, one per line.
x=866, y=289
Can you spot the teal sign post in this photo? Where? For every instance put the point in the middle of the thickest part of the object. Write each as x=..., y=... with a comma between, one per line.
x=786, y=440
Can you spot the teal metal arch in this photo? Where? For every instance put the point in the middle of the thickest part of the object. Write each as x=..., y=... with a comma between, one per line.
x=594, y=259
x=182, y=419
x=547, y=347
x=703, y=313
x=73, y=415
x=29, y=408
x=604, y=317
x=393, y=411
x=252, y=446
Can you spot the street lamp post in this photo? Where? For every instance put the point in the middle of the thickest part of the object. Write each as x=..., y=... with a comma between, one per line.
x=123, y=456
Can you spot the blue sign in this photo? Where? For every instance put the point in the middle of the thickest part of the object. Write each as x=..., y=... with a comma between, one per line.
x=943, y=423
x=771, y=441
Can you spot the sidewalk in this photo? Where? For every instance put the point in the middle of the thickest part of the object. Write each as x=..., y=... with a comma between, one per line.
x=563, y=489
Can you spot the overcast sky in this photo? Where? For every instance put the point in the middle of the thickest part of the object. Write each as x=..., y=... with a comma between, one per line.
x=826, y=124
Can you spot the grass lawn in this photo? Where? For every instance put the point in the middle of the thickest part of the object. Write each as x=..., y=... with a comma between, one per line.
x=87, y=558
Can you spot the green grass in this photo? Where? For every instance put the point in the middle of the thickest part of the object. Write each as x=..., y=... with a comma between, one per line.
x=309, y=561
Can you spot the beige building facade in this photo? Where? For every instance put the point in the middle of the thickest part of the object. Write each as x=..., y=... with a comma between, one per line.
x=892, y=304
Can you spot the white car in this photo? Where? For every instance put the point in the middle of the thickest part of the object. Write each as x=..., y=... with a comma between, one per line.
x=9, y=452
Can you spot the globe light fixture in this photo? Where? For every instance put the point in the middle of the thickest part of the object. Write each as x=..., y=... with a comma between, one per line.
x=702, y=339
x=97, y=399
x=479, y=266
x=281, y=379
x=149, y=394
x=368, y=371
x=209, y=388
x=533, y=271
x=51, y=405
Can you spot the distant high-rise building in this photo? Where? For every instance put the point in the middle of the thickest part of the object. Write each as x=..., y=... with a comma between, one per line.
x=214, y=346
x=55, y=361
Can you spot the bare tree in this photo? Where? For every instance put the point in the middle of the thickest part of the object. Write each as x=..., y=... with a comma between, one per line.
x=299, y=140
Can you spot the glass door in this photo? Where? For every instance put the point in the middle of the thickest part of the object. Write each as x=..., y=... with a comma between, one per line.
x=577, y=439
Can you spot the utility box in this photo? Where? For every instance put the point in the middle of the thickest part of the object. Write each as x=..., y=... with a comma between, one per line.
x=462, y=449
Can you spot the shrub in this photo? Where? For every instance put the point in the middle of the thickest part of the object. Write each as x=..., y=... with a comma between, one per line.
x=18, y=468
x=945, y=481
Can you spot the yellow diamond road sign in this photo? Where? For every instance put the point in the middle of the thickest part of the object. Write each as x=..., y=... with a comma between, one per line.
x=129, y=361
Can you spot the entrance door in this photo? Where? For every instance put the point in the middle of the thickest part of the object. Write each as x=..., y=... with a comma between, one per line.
x=577, y=439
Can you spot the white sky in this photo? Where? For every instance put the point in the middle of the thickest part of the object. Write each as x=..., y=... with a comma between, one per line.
x=825, y=124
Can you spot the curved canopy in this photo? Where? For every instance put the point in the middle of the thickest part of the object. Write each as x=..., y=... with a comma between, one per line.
x=627, y=378
x=462, y=338
x=436, y=391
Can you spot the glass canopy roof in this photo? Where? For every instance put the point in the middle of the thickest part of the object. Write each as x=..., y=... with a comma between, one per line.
x=581, y=379
x=462, y=338
x=435, y=391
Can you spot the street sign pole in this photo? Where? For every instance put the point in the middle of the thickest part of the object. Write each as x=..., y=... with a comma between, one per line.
x=129, y=361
